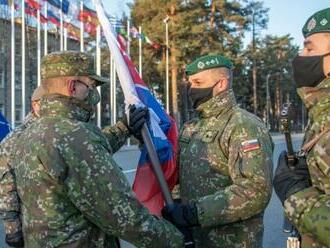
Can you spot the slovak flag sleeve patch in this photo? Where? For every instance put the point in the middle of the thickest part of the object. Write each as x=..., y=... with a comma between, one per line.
x=250, y=145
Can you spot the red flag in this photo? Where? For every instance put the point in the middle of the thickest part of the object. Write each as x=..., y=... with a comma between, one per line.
x=88, y=16
x=33, y=4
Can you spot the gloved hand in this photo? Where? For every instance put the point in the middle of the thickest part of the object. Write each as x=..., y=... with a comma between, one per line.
x=188, y=237
x=288, y=181
x=181, y=215
x=15, y=239
x=137, y=118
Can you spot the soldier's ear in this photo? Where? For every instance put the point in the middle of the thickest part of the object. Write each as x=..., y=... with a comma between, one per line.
x=72, y=87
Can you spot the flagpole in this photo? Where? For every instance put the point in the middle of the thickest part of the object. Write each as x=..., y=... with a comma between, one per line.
x=167, y=66
x=140, y=51
x=98, y=70
x=61, y=27
x=65, y=39
x=23, y=60
x=128, y=53
x=12, y=7
x=128, y=38
x=46, y=30
x=81, y=28
x=114, y=93
x=38, y=47
x=111, y=92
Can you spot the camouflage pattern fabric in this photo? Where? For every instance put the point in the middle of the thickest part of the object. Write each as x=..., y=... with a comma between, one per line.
x=309, y=209
x=70, y=63
x=9, y=200
x=73, y=193
x=226, y=169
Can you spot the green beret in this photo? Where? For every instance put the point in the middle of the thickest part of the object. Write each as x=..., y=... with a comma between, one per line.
x=317, y=23
x=70, y=63
x=208, y=62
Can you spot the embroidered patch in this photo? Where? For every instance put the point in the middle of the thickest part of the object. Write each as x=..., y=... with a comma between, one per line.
x=311, y=25
x=250, y=145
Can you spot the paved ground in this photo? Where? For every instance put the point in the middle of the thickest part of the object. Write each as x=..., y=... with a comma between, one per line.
x=273, y=235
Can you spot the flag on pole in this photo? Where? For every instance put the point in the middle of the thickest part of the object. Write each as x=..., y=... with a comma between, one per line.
x=162, y=127
x=73, y=31
x=30, y=10
x=53, y=18
x=57, y=3
x=4, y=126
x=88, y=15
x=33, y=4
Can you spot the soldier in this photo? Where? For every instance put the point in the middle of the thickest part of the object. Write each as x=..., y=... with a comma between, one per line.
x=73, y=193
x=225, y=163
x=305, y=189
x=9, y=200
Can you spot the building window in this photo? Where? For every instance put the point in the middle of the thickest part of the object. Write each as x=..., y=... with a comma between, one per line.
x=18, y=115
x=2, y=79
x=2, y=109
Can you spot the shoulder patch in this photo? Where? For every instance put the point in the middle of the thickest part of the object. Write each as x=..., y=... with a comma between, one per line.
x=250, y=145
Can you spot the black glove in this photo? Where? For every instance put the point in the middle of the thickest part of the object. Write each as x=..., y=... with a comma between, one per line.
x=137, y=118
x=288, y=181
x=181, y=215
x=15, y=239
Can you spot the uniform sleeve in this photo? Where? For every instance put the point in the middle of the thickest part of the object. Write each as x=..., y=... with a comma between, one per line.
x=99, y=189
x=250, y=169
x=116, y=135
x=9, y=200
x=309, y=209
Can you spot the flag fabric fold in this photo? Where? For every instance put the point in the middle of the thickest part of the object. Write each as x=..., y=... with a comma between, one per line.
x=57, y=3
x=4, y=127
x=162, y=127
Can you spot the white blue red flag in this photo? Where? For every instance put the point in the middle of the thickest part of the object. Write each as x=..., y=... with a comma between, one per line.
x=162, y=127
x=4, y=127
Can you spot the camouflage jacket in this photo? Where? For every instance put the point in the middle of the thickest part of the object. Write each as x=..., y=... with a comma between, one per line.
x=226, y=168
x=309, y=209
x=73, y=193
x=9, y=200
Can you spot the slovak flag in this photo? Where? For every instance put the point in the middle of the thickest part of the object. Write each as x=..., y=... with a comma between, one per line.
x=162, y=127
x=4, y=127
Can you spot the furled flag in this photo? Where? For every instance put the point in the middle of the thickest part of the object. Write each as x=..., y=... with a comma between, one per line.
x=4, y=126
x=162, y=127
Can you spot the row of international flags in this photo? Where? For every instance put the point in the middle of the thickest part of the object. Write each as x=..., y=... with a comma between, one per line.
x=73, y=14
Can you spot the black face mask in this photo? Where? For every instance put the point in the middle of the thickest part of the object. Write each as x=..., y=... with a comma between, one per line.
x=200, y=95
x=308, y=70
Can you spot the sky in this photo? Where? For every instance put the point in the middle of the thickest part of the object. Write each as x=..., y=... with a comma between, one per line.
x=285, y=16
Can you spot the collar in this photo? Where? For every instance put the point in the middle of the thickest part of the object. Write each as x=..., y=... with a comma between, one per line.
x=317, y=102
x=217, y=104
x=64, y=106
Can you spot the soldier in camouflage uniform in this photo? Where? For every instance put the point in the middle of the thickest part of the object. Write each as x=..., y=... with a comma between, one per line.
x=225, y=163
x=9, y=200
x=73, y=193
x=305, y=192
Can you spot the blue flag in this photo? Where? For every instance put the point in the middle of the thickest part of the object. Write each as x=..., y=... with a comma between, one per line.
x=57, y=4
x=4, y=2
x=4, y=125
